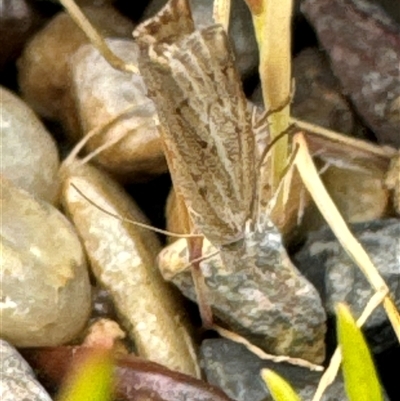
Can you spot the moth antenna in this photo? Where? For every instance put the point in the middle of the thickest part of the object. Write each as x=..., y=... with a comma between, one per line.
x=135, y=223
x=195, y=246
x=96, y=39
x=291, y=129
x=282, y=184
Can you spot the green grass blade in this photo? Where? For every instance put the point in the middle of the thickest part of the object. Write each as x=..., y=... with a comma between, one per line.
x=279, y=388
x=360, y=377
x=91, y=380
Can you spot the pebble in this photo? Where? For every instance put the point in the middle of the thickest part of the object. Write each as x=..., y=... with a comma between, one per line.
x=102, y=94
x=17, y=380
x=29, y=154
x=326, y=264
x=257, y=292
x=363, y=46
x=393, y=182
x=236, y=371
x=122, y=257
x=45, y=291
x=241, y=29
x=17, y=22
x=44, y=69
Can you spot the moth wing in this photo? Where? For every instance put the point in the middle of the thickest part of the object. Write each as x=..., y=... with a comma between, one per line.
x=173, y=21
x=206, y=130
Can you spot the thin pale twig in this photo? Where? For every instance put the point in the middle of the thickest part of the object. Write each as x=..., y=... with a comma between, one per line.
x=96, y=39
x=221, y=13
x=230, y=335
x=331, y=214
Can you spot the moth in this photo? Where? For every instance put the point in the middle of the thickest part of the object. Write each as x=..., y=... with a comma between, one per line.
x=210, y=145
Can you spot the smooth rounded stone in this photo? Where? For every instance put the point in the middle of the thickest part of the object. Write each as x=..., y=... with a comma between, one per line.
x=241, y=29
x=106, y=333
x=255, y=289
x=122, y=258
x=359, y=194
x=17, y=380
x=44, y=71
x=29, y=157
x=236, y=371
x=103, y=95
x=17, y=22
x=363, y=46
x=326, y=264
x=45, y=291
x=393, y=182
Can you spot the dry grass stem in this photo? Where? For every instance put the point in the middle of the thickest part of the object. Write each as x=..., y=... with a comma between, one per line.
x=314, y=185
x=221, y=13
x=96, y=39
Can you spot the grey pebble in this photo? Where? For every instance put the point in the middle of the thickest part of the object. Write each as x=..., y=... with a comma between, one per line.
x=236, y=371
x=325, y=263
x=17, y=381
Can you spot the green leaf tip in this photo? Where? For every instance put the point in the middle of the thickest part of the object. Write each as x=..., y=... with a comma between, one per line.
x=279, y=388
x=90, y=380
x=360, y=377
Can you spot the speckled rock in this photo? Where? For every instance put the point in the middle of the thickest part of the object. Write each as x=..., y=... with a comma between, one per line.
x=17, y=381
x=236, y=371
x=255, y=289
x=338, y=279
x=45, y=291
x=29, y=156
x=122, y=258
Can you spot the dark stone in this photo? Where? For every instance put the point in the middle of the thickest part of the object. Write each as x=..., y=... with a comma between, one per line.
x=363, y=44
x=326, y=264
x=237, y=372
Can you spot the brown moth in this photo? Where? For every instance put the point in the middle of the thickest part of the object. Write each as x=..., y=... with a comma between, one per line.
x=206, y=128
x=218, y=149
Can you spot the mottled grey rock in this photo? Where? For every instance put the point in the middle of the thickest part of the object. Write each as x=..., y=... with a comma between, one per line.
x=29, y=156
x=255, y=289
x=326, y=264
x=241, y=29
x=17, y=381
x=236, y=371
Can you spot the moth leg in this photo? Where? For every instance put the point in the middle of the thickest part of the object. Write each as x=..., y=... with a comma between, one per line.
x=284, y=184
x=195, y=246
x=96, y=39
